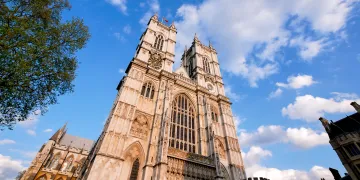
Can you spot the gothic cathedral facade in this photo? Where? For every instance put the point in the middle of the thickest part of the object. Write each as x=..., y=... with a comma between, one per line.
x=167, y=124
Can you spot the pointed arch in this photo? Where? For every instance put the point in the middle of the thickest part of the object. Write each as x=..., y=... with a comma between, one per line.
x=67, y=164
x=54, y=161
x=214, y=113
x=135, y=170
x=183, y=124
x=159, y=42
x=148, y=90
x=42, y=177
x=133, y=153
x=140, y=127
x=134, y=150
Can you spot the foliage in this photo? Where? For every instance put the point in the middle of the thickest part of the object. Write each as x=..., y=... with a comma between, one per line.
x=37, y=56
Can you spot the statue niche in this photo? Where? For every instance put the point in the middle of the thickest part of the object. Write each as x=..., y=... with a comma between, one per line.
x=140, y=127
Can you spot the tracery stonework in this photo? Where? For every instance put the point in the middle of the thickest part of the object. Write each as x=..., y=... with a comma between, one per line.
x=164, y=123
x=140, y=127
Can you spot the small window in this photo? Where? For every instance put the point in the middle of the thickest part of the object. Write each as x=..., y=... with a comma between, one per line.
x=148, y=90
x=159, y=41
x=214, y=114
x=352, y=149
x=206, y=65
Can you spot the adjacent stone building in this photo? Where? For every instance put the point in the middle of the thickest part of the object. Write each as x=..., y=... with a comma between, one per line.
x=61, y=158
x=344, y=137
x=166, y=124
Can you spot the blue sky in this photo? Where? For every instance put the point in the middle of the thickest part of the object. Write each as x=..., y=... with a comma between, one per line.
x=284, y=64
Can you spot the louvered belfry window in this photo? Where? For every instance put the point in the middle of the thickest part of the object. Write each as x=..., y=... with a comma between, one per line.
x=159, y=41
x=148, y=90
x=182, y=129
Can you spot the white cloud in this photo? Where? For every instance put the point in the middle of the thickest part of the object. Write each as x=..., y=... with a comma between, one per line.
x=339, y=96
x=308, y=48
x=119, y=36
x=264, y=135
x=121, y=4
x=275, y=94
x=48, y=130
x=303, y=138
x=252, y=160
x=31, y=121
x=26, y=154
x=297, y=82
x=7, y=141
x=231, y=94
x=310, y=108
x=238, y=120
x=259, y=28
x=9, y=168
x=121, y=71
x=31, y=132
x=306, y=137
x=127, y=29
x=154, y=7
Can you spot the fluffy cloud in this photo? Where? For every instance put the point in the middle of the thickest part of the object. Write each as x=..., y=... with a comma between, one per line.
x=310, y=108
x=121, y=4
x=9, y=167
x=154, y=7
x=31, y=121
x=252, y=160
x=306, y=137
x=7, y=141
x=48, y=130
x=250, y=38
x=297, y=82
x=275, y=94
x=127, y=29
x=31, y=132
x=303, y=138
x=231, y=94
x=25, y=154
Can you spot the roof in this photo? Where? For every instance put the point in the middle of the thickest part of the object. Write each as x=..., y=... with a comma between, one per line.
x=181, y=71
x=345, y=125
x=76, y=142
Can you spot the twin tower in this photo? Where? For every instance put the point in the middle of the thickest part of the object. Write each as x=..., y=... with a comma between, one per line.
x=167, y=124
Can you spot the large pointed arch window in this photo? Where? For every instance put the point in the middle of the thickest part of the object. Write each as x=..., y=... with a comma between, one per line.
x=159, y=41
x=148, y=90
x=67, y=165
x=206, y=65
x=54, y=162
x=135, y=170
x=182, y=129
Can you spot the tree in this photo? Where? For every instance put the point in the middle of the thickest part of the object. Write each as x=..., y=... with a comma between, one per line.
x=20, y=175
x=37, y=56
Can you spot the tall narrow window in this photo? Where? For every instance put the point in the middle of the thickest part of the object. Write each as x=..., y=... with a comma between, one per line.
x=190, y=67
x=67, y=165
x=159, y=41
x=135, y=170
x=148, y=90
x=214, y=114
x=206, y=65
x=182, y=124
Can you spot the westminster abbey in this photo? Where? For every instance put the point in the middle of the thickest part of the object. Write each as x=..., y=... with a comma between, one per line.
x=163, y=125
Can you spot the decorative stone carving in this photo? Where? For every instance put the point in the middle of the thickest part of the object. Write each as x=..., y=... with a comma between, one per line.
x=181, y=169
x=155, y=60
x=189, y=156
x=140, y=127
x=220, y=148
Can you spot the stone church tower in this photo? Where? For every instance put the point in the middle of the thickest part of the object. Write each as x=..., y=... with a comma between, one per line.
x=167, y=124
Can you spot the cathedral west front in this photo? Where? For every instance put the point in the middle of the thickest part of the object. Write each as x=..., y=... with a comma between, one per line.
x=163, y=124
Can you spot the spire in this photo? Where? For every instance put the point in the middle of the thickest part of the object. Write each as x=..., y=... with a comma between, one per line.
x=196, y=39
x=172, y=26
x=59, y=133
x=210, y=46
x=155, y=17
